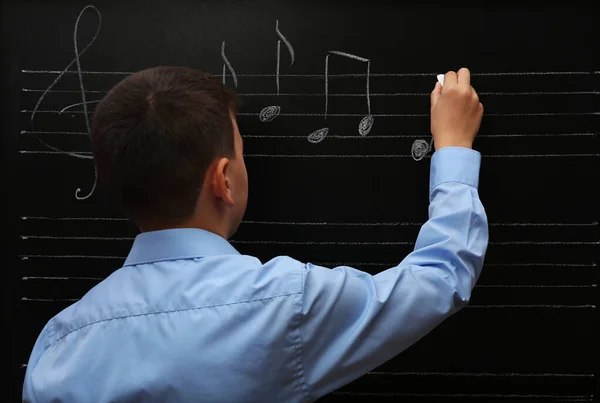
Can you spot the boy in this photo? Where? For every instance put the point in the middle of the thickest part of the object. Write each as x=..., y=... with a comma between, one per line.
x=189, y=319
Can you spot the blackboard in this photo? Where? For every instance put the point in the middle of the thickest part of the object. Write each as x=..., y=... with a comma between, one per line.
x=528, y=333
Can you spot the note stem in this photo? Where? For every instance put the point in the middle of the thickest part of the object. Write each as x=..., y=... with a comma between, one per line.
x=326, y=84
x=278, y=63
x=368, y=84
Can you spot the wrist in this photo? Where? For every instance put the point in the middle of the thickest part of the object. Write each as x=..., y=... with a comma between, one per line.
x=445, y=143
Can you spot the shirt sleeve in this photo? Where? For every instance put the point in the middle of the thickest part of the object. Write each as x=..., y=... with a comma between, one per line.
x=353, y=321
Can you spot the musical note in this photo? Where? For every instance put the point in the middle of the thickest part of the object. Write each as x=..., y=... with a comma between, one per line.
x=366, y=123
x=318, y=135
x=229, y=67
x=420, y=148
x=269, y=113
x=84, y=103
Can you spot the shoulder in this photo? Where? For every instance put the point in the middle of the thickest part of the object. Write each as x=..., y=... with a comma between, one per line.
x=287, y=273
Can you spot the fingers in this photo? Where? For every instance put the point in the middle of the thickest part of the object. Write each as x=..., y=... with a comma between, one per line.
x=464, y=77
x=435, y=94
x=450, y=78
x=474, y=93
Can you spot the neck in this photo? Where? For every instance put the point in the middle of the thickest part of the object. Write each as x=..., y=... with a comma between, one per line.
x=210, y=215
x=207, y=222
x=220, y=230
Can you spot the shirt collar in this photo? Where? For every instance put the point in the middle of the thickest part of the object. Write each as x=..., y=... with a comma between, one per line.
x=177, y=243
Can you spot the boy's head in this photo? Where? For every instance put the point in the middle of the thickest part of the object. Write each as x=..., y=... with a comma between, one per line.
x=169, y=153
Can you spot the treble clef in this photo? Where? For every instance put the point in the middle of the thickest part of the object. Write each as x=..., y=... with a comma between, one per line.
x=84, y=103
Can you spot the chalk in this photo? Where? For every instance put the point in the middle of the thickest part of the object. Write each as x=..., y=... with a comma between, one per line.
x=440, y=78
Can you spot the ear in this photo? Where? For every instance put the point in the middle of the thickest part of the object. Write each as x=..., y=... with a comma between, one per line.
x=220, y=182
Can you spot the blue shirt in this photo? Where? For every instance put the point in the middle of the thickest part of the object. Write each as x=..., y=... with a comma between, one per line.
x=189, y=319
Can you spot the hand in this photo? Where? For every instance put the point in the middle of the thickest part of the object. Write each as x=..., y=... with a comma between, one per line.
x=455, y=111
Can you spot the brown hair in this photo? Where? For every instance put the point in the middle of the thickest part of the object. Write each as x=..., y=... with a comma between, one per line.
x=154, y=136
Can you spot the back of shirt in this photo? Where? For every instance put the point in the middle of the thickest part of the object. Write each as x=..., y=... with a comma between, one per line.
x=191, y=330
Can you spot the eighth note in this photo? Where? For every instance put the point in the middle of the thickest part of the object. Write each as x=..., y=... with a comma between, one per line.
x=366, y=123
x=269, y=113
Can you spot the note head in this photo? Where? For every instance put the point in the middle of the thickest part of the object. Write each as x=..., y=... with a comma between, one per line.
x=269, y=113
x=318, y=135
x=365, y=125
x=419, y=149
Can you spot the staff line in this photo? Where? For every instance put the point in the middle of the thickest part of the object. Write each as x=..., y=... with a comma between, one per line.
x=88, y=153
x=571, y=398
x=27, y=278
x=27, y=257
x=550, y=306
x=541, y=264
x=432, y=74
x=387, y=243
x=380, y=136
x=485, y=374
x=392, y=115
x=330, y=223
x=409, y=136
x=406, y=155
x=274, y=242
x=381, y=115
x=358, y=95
x=536, y=286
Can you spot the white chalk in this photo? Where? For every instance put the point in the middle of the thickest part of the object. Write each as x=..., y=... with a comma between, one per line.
x=440, y=78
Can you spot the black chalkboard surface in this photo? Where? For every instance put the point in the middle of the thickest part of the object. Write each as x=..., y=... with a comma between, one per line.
x=336, y=128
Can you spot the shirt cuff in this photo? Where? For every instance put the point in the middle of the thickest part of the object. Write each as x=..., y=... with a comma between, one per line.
x=454, y=164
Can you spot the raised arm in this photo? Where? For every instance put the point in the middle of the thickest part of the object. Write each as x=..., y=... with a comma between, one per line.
x=354, y=321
